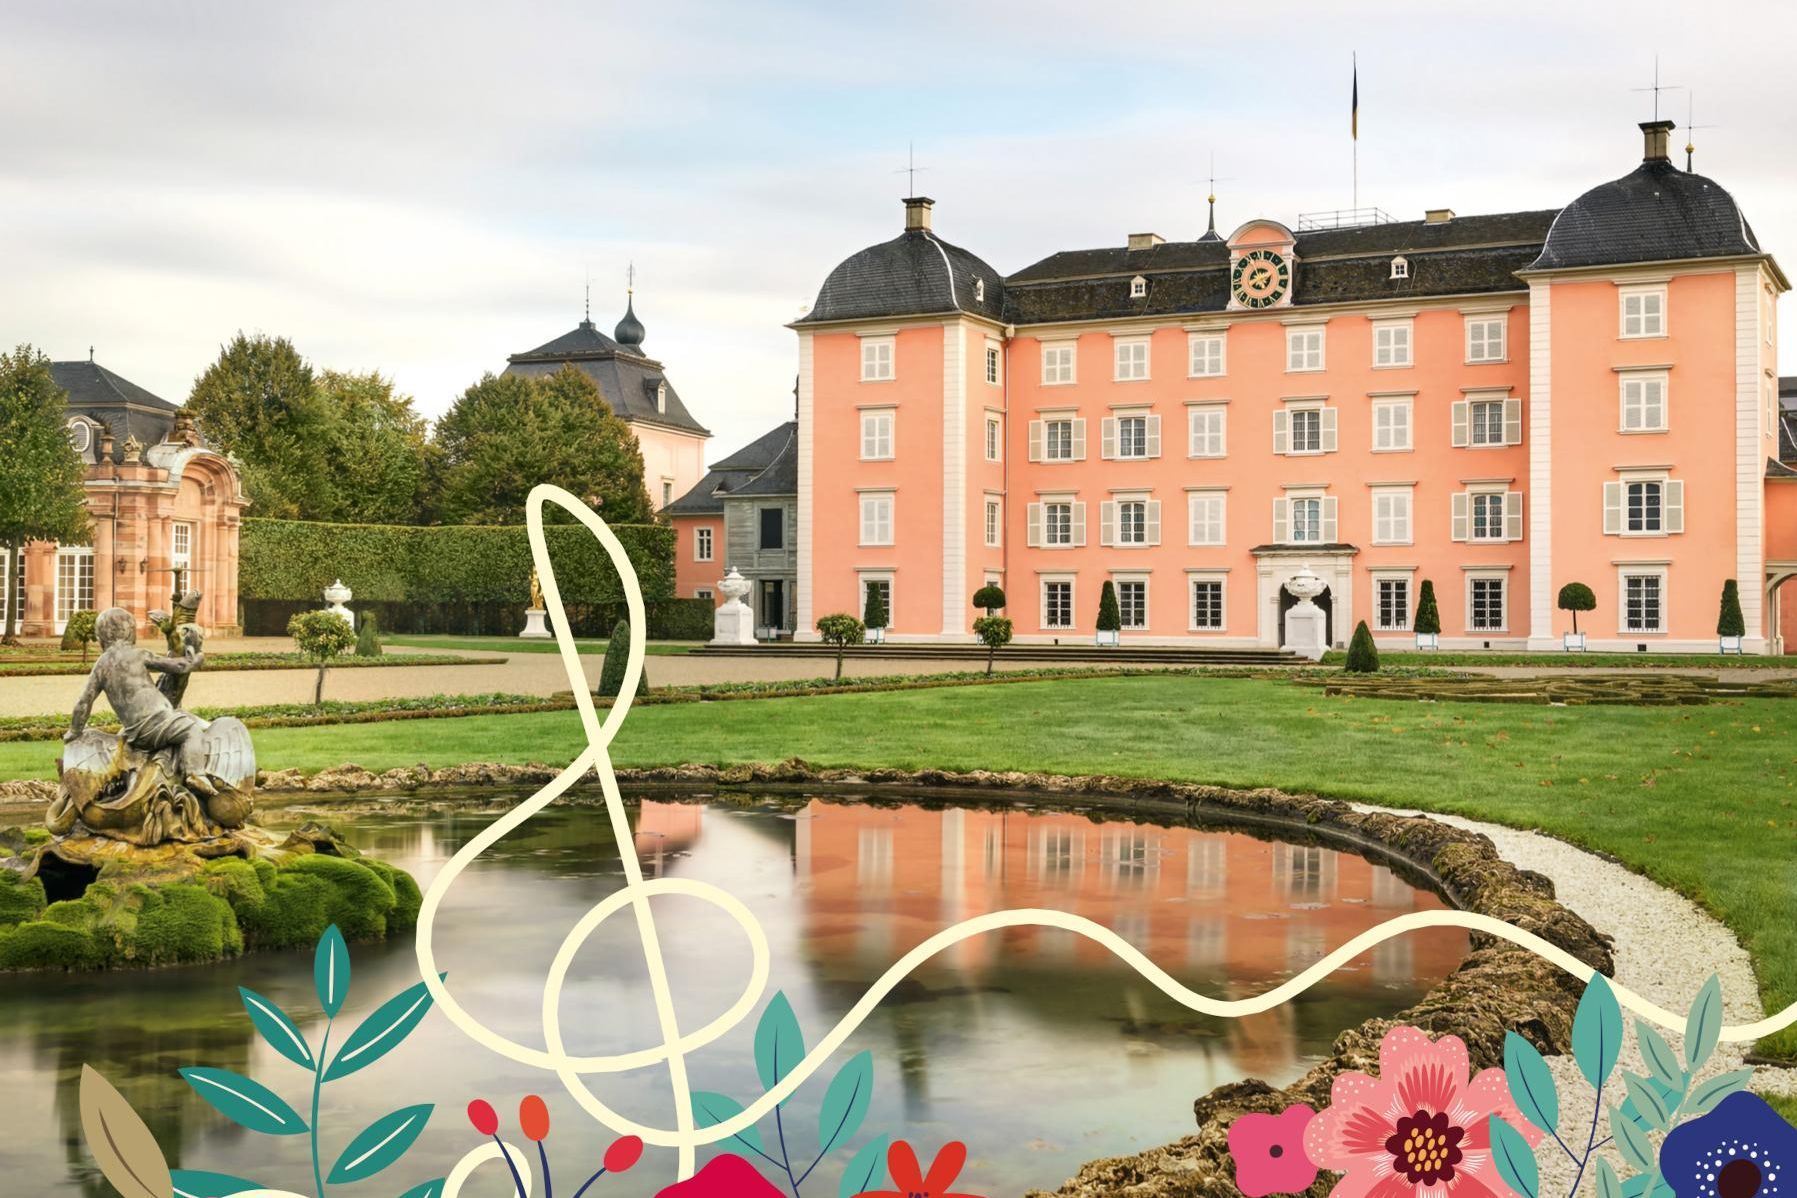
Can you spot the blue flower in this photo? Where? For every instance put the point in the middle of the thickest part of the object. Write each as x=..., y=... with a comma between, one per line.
x=1742, y=1149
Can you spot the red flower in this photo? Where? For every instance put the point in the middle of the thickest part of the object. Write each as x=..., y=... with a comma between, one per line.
x=723, y=1177
x=481, y=1114
x=1269, y=1152
x=623, y=1153
x=1419, y=1128
x=533, y=1118
x=913, y=1183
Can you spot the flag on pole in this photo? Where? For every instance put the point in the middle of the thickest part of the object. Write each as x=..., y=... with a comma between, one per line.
x=1354, y=111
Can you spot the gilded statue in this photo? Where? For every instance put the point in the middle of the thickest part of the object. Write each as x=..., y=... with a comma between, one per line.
x=536, y=591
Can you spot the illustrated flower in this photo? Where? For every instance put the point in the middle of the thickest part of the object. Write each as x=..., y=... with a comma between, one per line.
x=533, y=1119
x=1419, y=1127
x=484, y=1118
x=912, y=1182
x=724, y=1176
x=1738, y=1150
x=624, y=1153
x=1269, y=1152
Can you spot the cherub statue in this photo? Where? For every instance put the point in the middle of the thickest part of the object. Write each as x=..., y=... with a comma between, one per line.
x=148, y=720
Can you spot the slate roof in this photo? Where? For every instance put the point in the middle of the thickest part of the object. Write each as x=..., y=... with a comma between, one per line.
x=1654, y=213
x=126, y=409
x=625, y=376
x=1787, y=419
x=782, y=474
x=738, y=470
x=914, y=274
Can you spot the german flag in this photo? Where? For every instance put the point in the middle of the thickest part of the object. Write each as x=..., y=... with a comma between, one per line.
x=1354, y=107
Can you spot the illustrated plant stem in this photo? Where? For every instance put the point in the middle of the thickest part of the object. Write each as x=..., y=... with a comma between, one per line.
x=507, y=1158
x=1591, y=1144
x=785, y=1156
x=548, y=1182
x=1570, y=1154
x=589, y=1181
x=324, y=1050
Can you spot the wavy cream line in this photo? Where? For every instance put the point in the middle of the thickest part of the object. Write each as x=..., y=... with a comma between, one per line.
x=684, y=1137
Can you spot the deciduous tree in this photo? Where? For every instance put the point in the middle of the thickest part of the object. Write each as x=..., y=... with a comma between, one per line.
x=41, y=496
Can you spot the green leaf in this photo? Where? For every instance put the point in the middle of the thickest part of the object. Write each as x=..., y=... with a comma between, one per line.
x=245, y=1101
x=1662, y=1062
x=330, y=970
x=779, y=1045
x=191, y=1183
x=280, y=1032
x=1704, y=1097
x=867, y=1171
x=1647, y=1101
x=1514, y=1159
x=1636, y=1149
x=846, y=1101
x=1703, y=1026
x=1531, y=1084
x=1597, y=1031
x=711, y=1109
x=427, y=1189
x=1646, y=1185
x=381, y=1031
x=1607, y=1185
x=380, y=1144
x=1643, y=1116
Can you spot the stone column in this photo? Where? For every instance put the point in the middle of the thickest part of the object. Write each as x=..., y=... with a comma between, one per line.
x=40, y=590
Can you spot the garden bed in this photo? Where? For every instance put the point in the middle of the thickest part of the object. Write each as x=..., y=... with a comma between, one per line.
x=1633, y=690
x=30, y=667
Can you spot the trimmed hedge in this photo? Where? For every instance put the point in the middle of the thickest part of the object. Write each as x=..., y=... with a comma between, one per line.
x=682, y=620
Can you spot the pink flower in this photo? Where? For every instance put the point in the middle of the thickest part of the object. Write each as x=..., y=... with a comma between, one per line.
x=1417, y=1129
x=723, y=1177
x=1269, y=1152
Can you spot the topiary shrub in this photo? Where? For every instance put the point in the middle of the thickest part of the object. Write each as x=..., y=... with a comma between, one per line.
x=321, y=635
x=842, y=630
x=1576, y=597
x=990, y=597
x=368, y=637
x=617, y=658
x=995, y=633
x=1110, y=619
x=1428, y=615
x=1363, y=655
x=79, y=632
x=1730, y=622
x=873, y=612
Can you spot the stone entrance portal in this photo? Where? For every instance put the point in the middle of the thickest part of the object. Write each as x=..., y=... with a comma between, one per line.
x=1326, y=572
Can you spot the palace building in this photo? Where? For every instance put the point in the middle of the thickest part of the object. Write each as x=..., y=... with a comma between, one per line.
x=1498, y=405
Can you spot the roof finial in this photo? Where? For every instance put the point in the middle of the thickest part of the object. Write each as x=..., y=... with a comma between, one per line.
x=90, y=353
x=588, y=318
x=1210, y=234
x=630, y=331
x=1690, y=141
x=910, y=169
x=630, y=279
x=1658, y=87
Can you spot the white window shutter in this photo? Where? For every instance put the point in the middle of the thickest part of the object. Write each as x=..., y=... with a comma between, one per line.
x=1033, y=535
x=1192, y=504
x=1281, y=520
x=1674, y=520
x=1459, y=518
x=1281, y=431
x=1079, y=524
x=1035, y=443
x=1329, y=529
x=1612, y=509
x=1329, y=433
x=1108, y=440
x=1079, y=440
x=1460, y=408
x=1513, y=515
x=1154, y=521
x=1154, y=436
x=1513, y=422
x=1107, y=522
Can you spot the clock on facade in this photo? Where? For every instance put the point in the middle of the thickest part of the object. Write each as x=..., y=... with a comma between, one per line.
x=1260, y=278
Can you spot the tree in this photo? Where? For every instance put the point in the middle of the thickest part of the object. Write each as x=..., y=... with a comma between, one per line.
x=994, y=632
x=874, y=613
x=1428, y=616
x=617, y=658
x=841, y=630
x=368, y=637
x=378, y=451
x=79, y=631
x=1730, y=621
x=990, y=597
x=41, y=493
x=259, y=401
x=1109, y=618
x=1363, y=655
x=321, y=635
x=507, y=433
x=1576, y=597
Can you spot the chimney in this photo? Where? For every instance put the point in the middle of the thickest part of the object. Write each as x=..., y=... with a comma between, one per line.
x=1145, y=241
x=1658, y=135
x=917, y=213
x=1437, y=216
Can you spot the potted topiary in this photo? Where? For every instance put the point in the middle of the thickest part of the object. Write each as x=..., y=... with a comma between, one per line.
x=1731, y=625
x=1428, y=618
x=1575, y=597
x=1363, y=655
x=1110, y=620
x=991, y=597
x=321, y=635
x=616, y=661
x=841, y=630
x=874, y=616
x=994, y=632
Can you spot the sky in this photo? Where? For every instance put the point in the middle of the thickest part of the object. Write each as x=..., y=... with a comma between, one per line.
x=423, y=189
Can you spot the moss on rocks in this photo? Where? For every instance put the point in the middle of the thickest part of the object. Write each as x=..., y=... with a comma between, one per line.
x=40, y=944
x=21, y=898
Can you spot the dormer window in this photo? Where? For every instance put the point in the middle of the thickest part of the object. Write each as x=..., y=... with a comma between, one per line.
x=81, y=436
x=661, y=397
x=979, y=290
x=1138, y=287
x=1400, y=268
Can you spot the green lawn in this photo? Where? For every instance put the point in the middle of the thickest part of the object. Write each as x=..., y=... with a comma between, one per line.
x=1698, y=798
x=513, y=644
x=1584, y=661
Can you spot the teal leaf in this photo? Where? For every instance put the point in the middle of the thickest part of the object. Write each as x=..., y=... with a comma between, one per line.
x=1645, y=1117
x=1647, y=1101
x=381, y=1031
x=1597, y=1031
x=1636, y=1149
x=1662, y=1062
x=280, y=1032
x=245, y=1101
x=191, y=1183
x=1646, y=1185
x=711, y=1109
x=330, y=970
x=867, y=1171
x=1531, y=1084
x=1607, y=1185
x=1703, y=1026
x=846, y=1102
x=428, y=1189
x=779, y=1045
x=1514, y=1159
x=380, y=1144
x=1705, y=1096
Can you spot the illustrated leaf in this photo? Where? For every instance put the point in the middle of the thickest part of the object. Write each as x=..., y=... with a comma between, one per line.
x=1644, y=1118
x=1647, y=1101
x=1631, y=1140
x=1646, y=1185
x=429, y=1189
x=1703, y=1026
x=190, y=1183
x=1703, y=1098
x=1531, y=1084
x=846, y=1101
x=1597, y=1031
x=280, y=1032
x=779, y=1045
x=1662, y=1062
x=1514, y=1159
x=711, y=1109
x=381, y=1031
x=867, y=1171
x=245, y=1101
x=380, y=1144
x=330, y=970
x=122, y=1145
x=1607, y=1185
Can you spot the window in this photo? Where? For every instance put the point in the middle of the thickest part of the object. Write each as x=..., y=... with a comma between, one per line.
x=180, y=556
x=1643, y=311
x=12, y=585
x=1138, y=287
x=702, y=544
x=1207, y=604
x=1487, y=420
x=876, y=519
x=881, y=586
x=667, y=493
x=773, y=528
x=876, y=359
x=1205, y=511
x=1206, y=355
x=1058, y=439
x=1057, y=363
x=81, y=436
x=661, y=397
x=1132, y=602
x=74, y=583
x=1487, y=516
x=995, y=438
x=1485, y=339
x=1307, y=520
x=1057, y=603
x=1391, y=604
x=1304, y=520
x=1132, y=437
x=1485, y=603
x=991, y=363
x=1206, y=426
x=1400, y=268
x=1130, y=522
x=1391, y=516
x=1644, y=507
x=1391, y=425
x=876, y=435
x=1303, y=349
x=995, y=519
x=1308, y=429
x=1644, y=602
x=702, y=593
x=1391, y=343
x=1643, y=403
x=1132, y=360
x=1057, y=523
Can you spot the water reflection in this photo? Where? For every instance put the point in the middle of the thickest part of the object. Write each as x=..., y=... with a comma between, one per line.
x=1033, y=1044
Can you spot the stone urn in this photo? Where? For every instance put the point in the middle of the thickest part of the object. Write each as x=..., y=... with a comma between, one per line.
x=336, y=596
x=734, y=623
x=1306, y=624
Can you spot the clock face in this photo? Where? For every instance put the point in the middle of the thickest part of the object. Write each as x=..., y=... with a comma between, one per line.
x=1260, y=278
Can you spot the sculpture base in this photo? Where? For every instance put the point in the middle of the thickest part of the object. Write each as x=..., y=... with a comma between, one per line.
x=734, y=624
x=1306, y=630
x=534, y=628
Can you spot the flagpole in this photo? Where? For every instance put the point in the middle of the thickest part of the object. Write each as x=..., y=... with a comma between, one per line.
x=1354, y=128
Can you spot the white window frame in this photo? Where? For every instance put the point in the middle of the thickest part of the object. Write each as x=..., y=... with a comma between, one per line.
x=1111, y=520
x=994, y=521
x=1129, y=358
x=995, y=438
x=1393, y=344
x=1400, y=267
x=1623, y=574
x=1193, y=579
x=878, y=359
x=1072, y=584
x=1283, y=429
x=1119, y=581
x=879, y=434
x=1648, y=325
x=11, y=588
x=703, y=593
x=180, y=559
x=1461, y=422
x=1199, y=419
x=1502, y=578
x=1616, y=504
x=1207, y=518
x=1462, y=503
x=1396, y=525
x=1483, y=342
x=1076, y=438
x=704, y=543
x=1640, y=382
x=67, y=604
x=1138, y=287
x=1379, y=578
x=889, y=577
x=1284, y=526
x=872, y=518
x=1204, y=351
x=1060, y=363
x=1390, y=433
x=1037, y=524
x=1302, y=356
x=994, y=364
x=1111, y=435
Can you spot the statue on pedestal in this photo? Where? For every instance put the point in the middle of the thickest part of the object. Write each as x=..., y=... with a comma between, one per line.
x=534, y=628
x=734, y=623
x=1306, y=624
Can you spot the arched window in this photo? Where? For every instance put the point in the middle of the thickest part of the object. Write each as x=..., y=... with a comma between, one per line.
x=1138, y=287
x=81, y=436
x=1400, y=268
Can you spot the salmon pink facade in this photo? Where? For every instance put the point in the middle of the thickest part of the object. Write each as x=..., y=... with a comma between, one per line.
x=1493, y=405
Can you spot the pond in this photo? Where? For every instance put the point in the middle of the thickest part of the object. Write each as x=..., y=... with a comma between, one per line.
x=1036, y=1047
